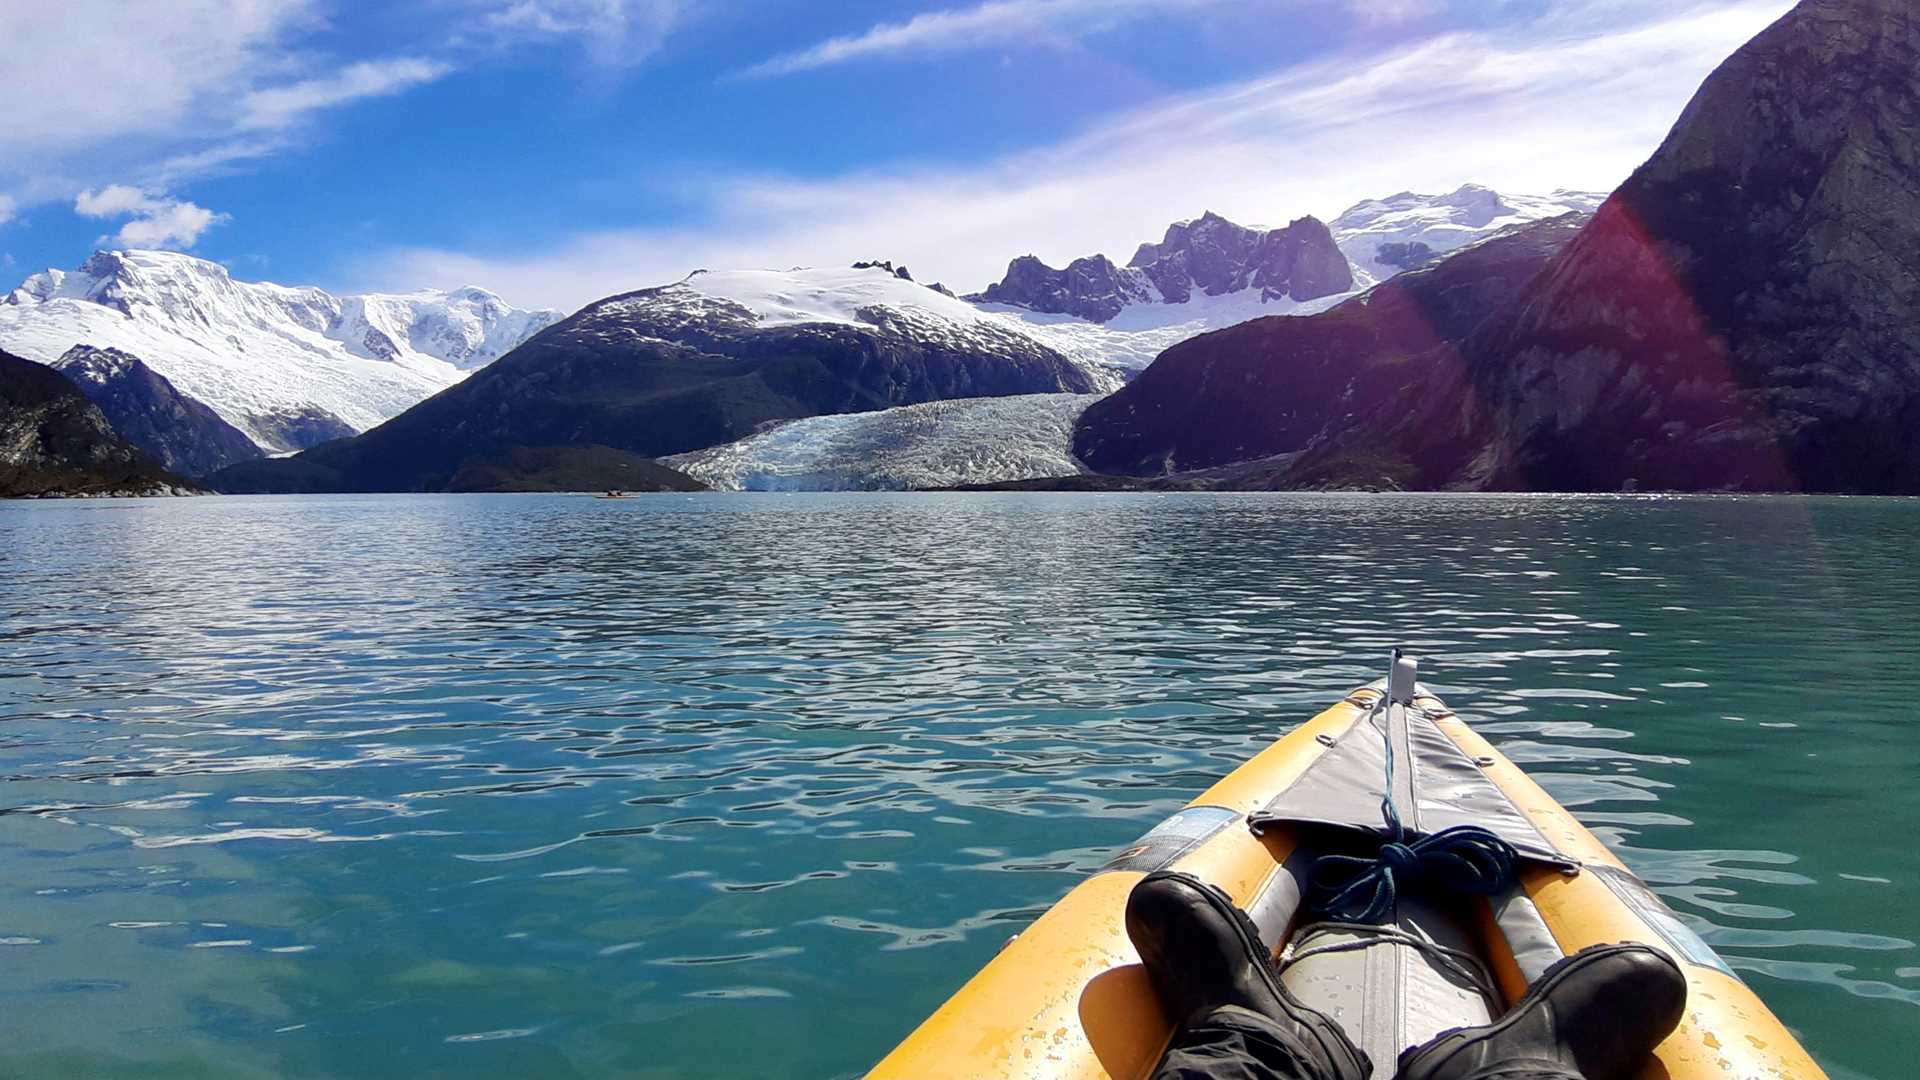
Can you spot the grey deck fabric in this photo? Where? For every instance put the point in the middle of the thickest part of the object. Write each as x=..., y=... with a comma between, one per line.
x=1436, y=786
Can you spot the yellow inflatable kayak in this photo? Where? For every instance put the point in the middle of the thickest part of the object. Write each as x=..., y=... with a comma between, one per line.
x=1067, y=998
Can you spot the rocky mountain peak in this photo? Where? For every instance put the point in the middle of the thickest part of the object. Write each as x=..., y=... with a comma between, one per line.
x=1208, y=255
x=87, y=362
x=887, y=265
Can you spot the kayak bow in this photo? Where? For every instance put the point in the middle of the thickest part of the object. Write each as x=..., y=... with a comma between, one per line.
x=1067, y=998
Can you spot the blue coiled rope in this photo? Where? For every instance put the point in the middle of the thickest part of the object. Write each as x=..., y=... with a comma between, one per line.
x=1358, y=889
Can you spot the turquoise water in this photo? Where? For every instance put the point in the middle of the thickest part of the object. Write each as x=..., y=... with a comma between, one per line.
x=456, y=786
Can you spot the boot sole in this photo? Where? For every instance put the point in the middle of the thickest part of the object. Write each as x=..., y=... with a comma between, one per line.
x=1435, y=1056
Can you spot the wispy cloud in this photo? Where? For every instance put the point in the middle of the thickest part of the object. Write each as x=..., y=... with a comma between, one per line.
x=154, y=220
x=7, y=207
x=1559, y=104
x=997, y=22
x=281, y=106
x=163, y=93
x=616, y=33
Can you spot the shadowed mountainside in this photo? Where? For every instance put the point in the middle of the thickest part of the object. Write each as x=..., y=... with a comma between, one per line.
x=664, y=371
x=53, y=441
x=1740, y=315
x=181, y=433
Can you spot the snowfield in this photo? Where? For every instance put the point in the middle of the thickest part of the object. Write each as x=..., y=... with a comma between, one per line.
x=254, y=351
x=828, y=294
x=1369, y=231
x=876, y=298
x=1117, y=350
x=937, y=444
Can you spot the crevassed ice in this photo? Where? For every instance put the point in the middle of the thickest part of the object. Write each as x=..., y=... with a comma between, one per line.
x=936, y=444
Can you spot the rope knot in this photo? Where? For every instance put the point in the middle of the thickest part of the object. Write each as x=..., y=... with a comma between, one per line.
x=1400, y=860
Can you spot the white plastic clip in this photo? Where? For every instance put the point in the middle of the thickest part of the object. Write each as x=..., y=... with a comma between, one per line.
x=1401, y=678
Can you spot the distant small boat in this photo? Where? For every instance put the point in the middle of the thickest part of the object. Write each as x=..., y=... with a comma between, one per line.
x=1067, y=999
x=614, y=495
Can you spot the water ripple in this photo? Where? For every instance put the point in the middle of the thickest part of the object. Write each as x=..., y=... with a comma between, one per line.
x=797, y=765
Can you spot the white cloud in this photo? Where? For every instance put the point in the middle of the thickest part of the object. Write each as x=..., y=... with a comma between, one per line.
x=996, y=22
x=280, y=106
x=80, y=72
x=114, y=200
x=7, y=208
x=164, y=92
x=220, y=157
x=1570, y=104
x=617, y=33
x=156, y=221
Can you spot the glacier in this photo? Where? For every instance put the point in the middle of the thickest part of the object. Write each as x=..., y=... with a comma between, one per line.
x=935, y=444
x=259, y=353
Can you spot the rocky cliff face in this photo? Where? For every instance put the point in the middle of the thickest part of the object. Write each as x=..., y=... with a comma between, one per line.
x=1214, y=256
x=1745, y=311
x=54, y=442
x=1210, y=256
x=184, y=435
x=1742, y=314
x=1090, y=288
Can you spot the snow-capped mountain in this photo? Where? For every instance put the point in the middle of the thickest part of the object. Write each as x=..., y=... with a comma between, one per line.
x=1202, y=275
x=937, y=444
x=874, y=296
x=1209, y=273
x=180, y=433
x=707, y=360
x=1405, y=231
x=867, y=294
x=283, y=365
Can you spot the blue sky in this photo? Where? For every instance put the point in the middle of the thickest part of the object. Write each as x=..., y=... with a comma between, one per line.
x=560, y=150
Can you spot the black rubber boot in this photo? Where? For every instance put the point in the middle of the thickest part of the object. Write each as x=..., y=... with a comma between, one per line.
x=1203, y=953
x=1596, y=1014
